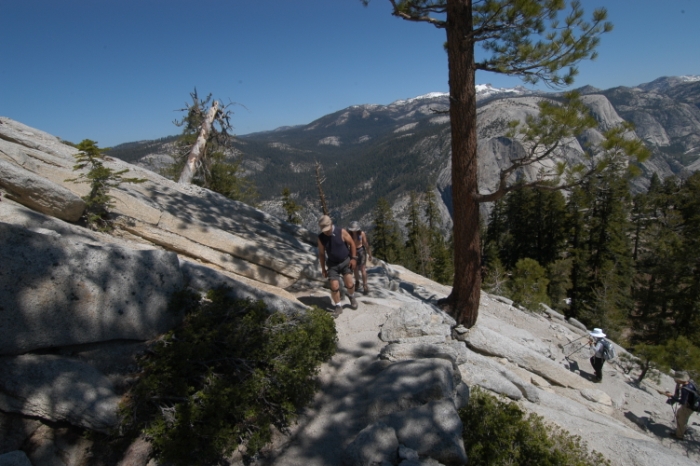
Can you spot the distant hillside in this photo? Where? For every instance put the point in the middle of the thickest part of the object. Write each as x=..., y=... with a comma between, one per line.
x=372, y=151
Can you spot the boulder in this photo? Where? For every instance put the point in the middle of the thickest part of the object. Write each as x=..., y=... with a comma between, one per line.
x=575, y=323
x=374, y=444
x=40, y=194
x=58, y=292
x=57, y=389
x=433, y=430
x=597, y=396
x=412, y=383
x=416, y=319
x=454, y=351
x=486, y=341
x=551, y=312
x=489, y=379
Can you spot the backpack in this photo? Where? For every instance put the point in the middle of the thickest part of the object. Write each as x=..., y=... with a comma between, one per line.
x=608, y=350
x=693, y=396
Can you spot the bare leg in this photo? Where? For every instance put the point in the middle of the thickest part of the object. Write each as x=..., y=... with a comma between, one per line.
x=335, y=291
x=349, y=285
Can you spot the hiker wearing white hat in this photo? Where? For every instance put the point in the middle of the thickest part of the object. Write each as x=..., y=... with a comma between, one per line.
x=597, y=342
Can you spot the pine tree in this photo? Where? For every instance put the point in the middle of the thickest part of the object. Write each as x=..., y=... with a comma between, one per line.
x=290, y=207
x=102, y=179
x=528, y=286
x=417, y=255
x=519, y=38
x=386, y=240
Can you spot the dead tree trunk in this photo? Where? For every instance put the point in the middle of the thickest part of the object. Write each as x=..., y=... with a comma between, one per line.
x=199, y=146
x=319, y=181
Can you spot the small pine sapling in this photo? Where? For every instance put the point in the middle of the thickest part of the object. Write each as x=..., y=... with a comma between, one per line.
x=101, y=179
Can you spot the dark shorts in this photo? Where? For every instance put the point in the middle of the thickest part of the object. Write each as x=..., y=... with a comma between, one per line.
x=361, y=257
x=336, y=270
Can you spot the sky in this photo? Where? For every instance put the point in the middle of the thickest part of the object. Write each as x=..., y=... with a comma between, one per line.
x=118, y=71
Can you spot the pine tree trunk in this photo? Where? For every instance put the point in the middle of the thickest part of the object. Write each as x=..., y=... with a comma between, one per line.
x=198, y=148
x=463, y=302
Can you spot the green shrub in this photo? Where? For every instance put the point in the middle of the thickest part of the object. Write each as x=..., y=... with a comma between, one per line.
x=225, y=377
x=498, y=433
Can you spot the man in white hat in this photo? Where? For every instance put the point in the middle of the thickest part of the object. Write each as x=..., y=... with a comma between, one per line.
x=337, y=250
x=597, y=360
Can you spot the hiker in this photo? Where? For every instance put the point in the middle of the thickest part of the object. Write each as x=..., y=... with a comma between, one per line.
x=684, y=390
x=337, y=250
x=363, y=253
x=597, y=343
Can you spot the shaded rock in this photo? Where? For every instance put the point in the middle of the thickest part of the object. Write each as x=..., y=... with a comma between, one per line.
x=407, y=384
x=38, y=193
x=15, y=458
x=58, y=447
x=433, y=430
x=374, y=444
x=416, y=320
x=57, y=292
x=456, y=352
x=203, y=278
x=57, y=389
x=137, y=454
x=14, y=431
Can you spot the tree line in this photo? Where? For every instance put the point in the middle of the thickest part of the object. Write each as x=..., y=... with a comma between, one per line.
x=423, y=249
x=629, y=264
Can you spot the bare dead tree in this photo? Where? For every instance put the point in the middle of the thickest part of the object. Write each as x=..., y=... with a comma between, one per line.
x=199, y=146
x=320, y=179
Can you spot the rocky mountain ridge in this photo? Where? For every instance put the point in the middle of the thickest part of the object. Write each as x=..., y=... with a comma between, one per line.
x=371, y=151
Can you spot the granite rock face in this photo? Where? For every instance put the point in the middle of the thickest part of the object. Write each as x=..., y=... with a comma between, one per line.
x=57, y=389
x=56, y=292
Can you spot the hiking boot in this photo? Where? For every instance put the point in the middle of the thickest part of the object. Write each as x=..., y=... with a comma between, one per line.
x=338, y=311
x=365, y=290
x=353, y=303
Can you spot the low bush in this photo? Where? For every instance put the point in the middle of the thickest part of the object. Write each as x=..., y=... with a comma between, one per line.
x=500, y=433
x=225, y=377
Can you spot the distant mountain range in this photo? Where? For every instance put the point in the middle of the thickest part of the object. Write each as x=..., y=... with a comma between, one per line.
x=371, y=151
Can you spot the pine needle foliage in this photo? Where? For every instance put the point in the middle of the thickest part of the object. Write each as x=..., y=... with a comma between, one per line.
x=101, y=179
x=291, y=208
x=222, y=380
x=497, y=433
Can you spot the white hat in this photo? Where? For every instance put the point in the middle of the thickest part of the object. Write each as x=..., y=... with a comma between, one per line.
x=325, y=223
x=597, y=333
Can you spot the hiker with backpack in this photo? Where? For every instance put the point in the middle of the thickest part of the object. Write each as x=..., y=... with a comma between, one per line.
x=686, y=395
x=603, y=351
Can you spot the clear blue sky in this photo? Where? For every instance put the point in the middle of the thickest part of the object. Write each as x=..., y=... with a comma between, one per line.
x=118, y=70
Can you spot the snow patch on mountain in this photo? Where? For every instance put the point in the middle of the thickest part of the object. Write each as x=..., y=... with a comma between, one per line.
x=404, y=128
x=329, y=141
